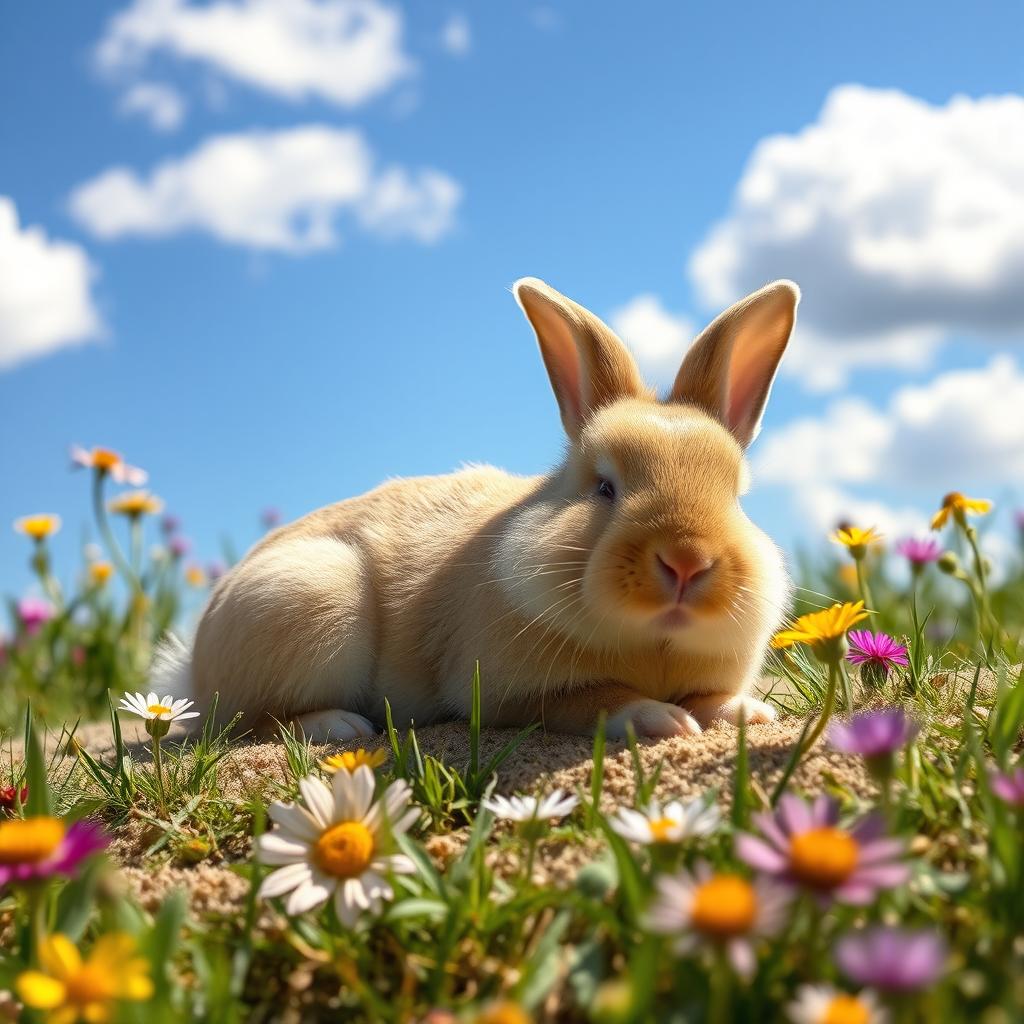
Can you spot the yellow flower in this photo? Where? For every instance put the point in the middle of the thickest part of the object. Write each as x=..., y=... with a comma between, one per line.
x=38, y=527
x=195, y=577
x=958, y=506
x=823, y=631
x=70, y=989
x=350, y=760
x=856, y=540
x=105, y=461
x=100, y=573
x=136, y=503
x=503, y=1012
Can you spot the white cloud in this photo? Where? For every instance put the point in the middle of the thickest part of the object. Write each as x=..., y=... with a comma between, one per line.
x=456, y=36
x=161, y=105
x=902, y=221
x=45, y=299
x=657, y=337
x=343, y=51
x=283, y=191
x=824, y=506
x=962, y=429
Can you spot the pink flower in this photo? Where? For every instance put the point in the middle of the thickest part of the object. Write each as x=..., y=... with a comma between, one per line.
x=32, y=849
x=892, y=959
x=179, y=546
x=873, y=734
x=270, y=517
x=876, y=651
x=34, y=612
x=803, y=845
x=919, y=552
x=1009, y=787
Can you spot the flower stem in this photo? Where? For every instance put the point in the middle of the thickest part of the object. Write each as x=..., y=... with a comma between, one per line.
x=826, y=709
x=985, y=623
x=862, y=582
x=158, y=768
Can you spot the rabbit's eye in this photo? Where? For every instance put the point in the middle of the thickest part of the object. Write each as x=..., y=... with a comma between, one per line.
x=606, y=489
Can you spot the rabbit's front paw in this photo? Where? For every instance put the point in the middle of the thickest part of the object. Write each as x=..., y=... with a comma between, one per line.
x=652, y=718
x=709, y=707
x=332, y=726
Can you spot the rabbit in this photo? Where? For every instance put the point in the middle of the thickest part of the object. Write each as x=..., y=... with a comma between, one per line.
x=627, y=581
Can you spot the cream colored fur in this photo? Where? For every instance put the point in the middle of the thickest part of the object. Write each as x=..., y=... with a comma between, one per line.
x=553, y=588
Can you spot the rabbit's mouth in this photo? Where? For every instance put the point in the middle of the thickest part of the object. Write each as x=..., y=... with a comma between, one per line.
x=677, y=617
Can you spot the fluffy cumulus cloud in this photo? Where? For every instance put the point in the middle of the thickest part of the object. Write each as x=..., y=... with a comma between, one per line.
x=902, y=221
x=962, y=429
x=285, y=190
x=657, y=337
x=45, y=296
x=161, y=105
x=342, y=51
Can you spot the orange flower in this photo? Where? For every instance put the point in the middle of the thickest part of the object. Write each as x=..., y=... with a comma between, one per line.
x=957, y=506
x=105, y=461
x=38, y=527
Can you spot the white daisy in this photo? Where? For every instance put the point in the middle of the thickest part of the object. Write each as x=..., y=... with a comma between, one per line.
x=720, y=908
x=337, y=844
x=823, y=1004
x=672, y=824
x=162, y=710
x=532, y=808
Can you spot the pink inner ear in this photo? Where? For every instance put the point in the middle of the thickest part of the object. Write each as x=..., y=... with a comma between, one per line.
x=746, y=393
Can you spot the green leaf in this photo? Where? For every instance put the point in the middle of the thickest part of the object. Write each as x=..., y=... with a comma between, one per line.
x=38, y=802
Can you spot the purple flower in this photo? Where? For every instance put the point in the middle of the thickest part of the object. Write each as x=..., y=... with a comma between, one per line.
x=874, y=734
x=36, y=848
x=216, y=569
x=876, y=651
x=892, y=959
x=803, y=845
x=33, y=612
x=1009, y=787
x=170, y=524
x=179, y=546
x=1019, y=519
x=919, y=551
x=270, y=517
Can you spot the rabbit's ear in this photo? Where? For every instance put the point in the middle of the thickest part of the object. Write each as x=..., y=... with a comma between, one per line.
x=589, y=367
x=729, y=369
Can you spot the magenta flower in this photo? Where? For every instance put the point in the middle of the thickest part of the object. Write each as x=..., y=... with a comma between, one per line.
x=919, y=551
x=1009, y=787
x=216, y=569
x=179, y=546
x=37, y=848
x=270, y=517
x=170, y=524
x=873, y=734
x=892, y=959
x=804, y=847
x=34, y=612
x=876, y=652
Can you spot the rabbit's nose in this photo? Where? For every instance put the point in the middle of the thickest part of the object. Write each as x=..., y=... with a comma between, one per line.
x=681, y=567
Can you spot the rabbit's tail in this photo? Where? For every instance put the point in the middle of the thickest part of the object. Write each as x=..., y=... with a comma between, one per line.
x=171, y=671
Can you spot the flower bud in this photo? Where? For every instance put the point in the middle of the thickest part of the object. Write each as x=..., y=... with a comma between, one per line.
x=949, y=563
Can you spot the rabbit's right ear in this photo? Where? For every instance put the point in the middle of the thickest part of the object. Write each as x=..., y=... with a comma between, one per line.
x=588, y=365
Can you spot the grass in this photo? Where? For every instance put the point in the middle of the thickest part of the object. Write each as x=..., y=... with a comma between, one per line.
x=473, y=933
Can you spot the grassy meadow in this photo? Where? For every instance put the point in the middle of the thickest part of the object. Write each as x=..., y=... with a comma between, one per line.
x=399, y=885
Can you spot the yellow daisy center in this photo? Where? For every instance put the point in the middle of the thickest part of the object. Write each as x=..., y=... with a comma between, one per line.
x=844, y=1009
x=38, y=527
x=29, y=840
x=823, y=857
x=104, y=458
x=724, y=906
x=158, y=709
x=660, y=829
x=91, y=983
x=345, y=850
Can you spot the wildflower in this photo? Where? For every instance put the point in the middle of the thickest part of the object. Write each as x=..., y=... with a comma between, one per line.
x=874, y=734
x=350, y=760
x=720, y=908
x=892, y=959
x=503, y=1012
x=100, y=573
x=337, y=844
x=527, y=809
x=158, y=712
x=135, y=504
x=803, y=845
x=105, y=461
x=270, y=517
x=34, y=612
x=179, y=546
x=875, y=653
x=41, y=847
x=216, y=569
x=73, y=989
x=958, y=507
x=824, y=631
x=170, y=525
x=1009, y=787
x=672, y=824
x=195, y=577
x=856, y=540
x=919, y=552
x=11, y=795
x=823, y=1004
x=38, y=527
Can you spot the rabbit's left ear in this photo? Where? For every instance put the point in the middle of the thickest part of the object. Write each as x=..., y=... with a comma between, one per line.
x=730, y=368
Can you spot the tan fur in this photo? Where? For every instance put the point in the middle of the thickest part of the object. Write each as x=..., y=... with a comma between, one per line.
x=554, y=590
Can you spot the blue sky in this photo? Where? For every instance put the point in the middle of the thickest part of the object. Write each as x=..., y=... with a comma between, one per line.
x=246, y=361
